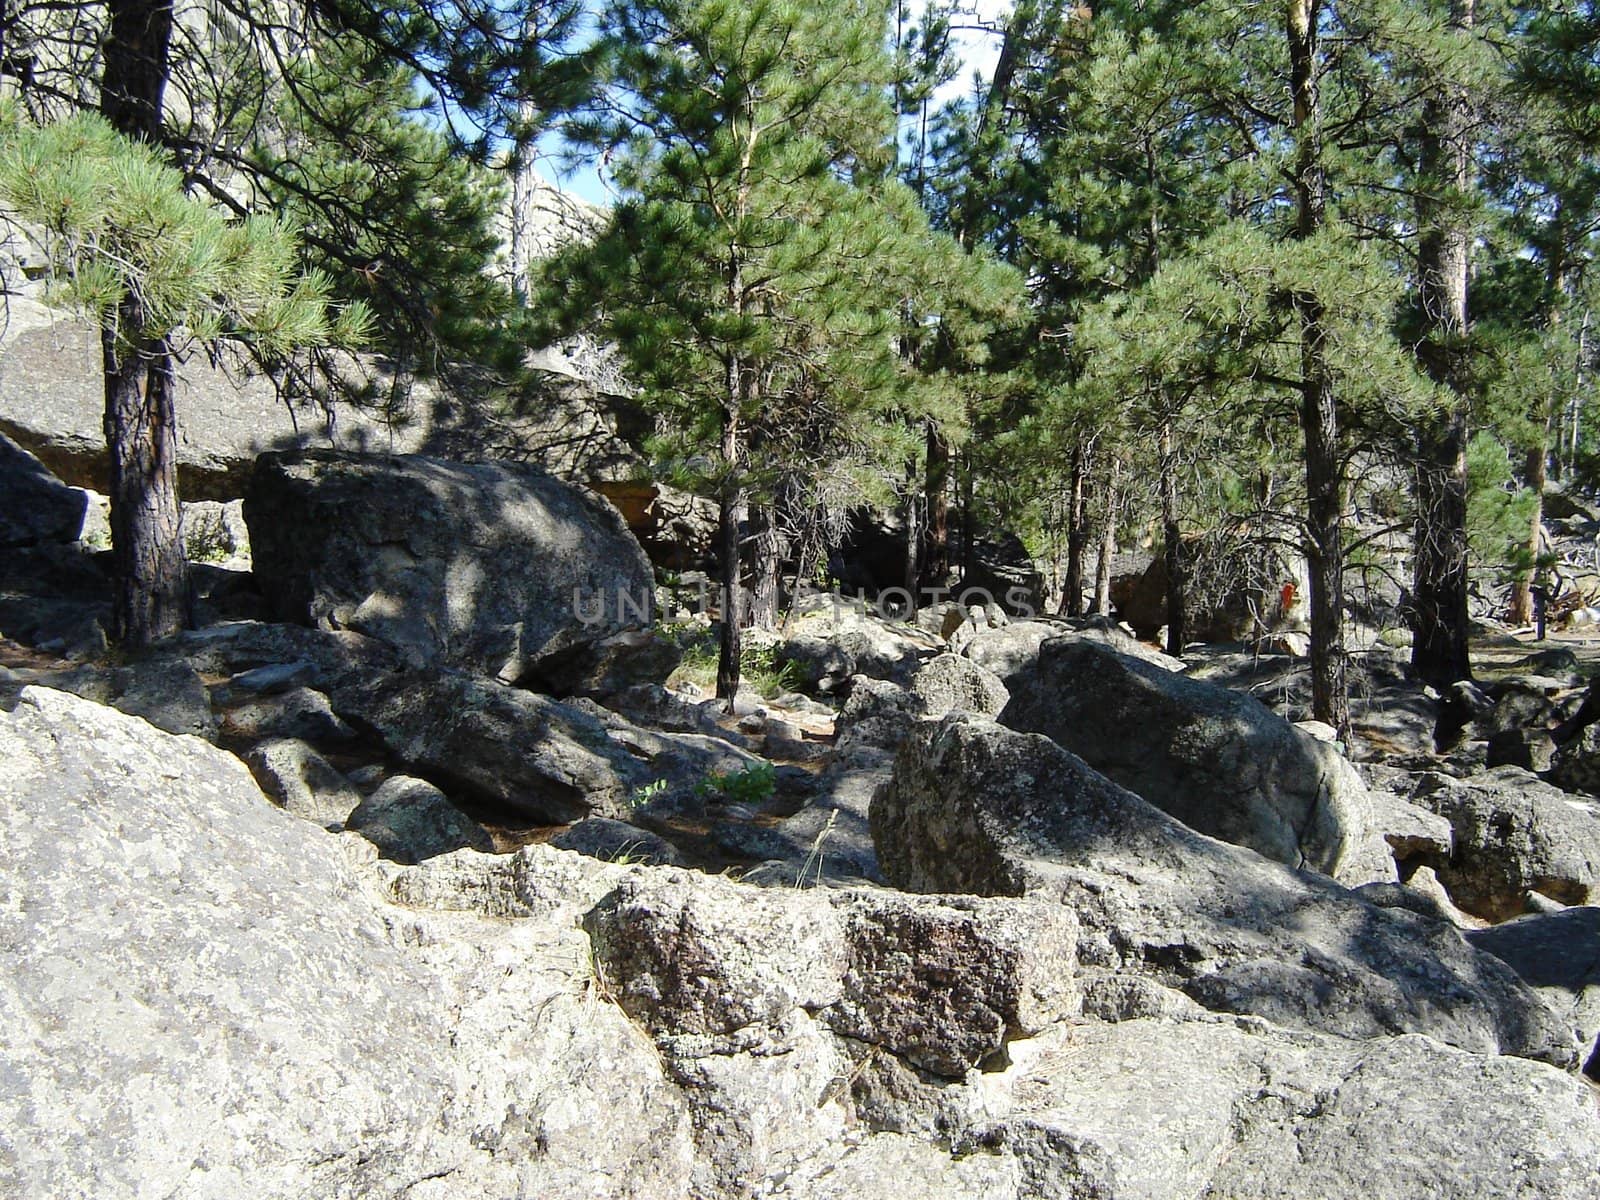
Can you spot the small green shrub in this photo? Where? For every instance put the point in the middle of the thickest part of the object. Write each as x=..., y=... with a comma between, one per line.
x=761, y=667
x=752, y=786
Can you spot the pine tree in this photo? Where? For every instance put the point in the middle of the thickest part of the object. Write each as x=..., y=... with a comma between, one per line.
x=494, y=71
x=754, y=274
x=156, y=270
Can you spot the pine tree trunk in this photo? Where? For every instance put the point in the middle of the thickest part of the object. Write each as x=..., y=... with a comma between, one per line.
x=1108, y=541
x=1537, y=462
x=1324, y=527
x=134, y=77
x=936, y=563
x=911, y=572
x=767, y=550
x=968, y=533
x=151, y=583
x=1522, y=595
x=1172, y=539
x=1319, y=413
x=730, y=517
x=151, y=586
x=1077, y=538
x=1439, y=651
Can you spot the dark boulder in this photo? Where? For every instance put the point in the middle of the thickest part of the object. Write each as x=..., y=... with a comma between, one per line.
x=494, y=568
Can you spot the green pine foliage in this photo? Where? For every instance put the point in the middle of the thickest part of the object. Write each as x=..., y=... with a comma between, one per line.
x=120, y=228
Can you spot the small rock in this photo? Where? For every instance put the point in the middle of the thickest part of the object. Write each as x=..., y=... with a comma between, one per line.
x=618, y=842
x=302, y=713
x=1532, y=750
x=303, y=782
x=409, y=820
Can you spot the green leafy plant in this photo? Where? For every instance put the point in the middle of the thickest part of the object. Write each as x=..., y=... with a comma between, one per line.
x=643, y=795
x=752, y=786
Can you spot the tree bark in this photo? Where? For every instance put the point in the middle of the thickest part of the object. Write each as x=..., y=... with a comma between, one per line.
x=1108, y=540
x=730, y=518
x=767, y=555
x=1077, y=537
x=968, y=520
x=936, y=562
x=1439, y=651
x=134, y=77
x=1522, y=594
x=1319, y=412
x=151, y=595
x=151, y=585
x=1537, y=462
x=1172, y=537
x=911, y=572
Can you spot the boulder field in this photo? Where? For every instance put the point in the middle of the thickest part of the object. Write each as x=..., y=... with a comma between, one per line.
x=400, y=876
x=207, y=996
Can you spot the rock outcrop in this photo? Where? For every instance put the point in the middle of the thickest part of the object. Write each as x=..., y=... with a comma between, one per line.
x=493, y=568
x=974, y=807
x=1513, y=835
x=239, y=1018
x=1217, y=760
x=52, y=403
x=35, y=507
x=205, y=996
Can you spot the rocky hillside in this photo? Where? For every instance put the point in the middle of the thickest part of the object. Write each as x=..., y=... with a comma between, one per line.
x=423, y=868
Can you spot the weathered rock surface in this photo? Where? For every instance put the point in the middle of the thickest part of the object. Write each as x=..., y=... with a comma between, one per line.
x=829, y=639
x=1229, y=1109
x=494, y=568
x=52, y=402
x=170, y=695
x=240, y=1018
x=1217, y=760
x=301, y=712
x=520, y=752
x=1575, y=765
x=250, y=1012
x=1558, y=955
x=303, y=782
x=951, y=683
x=35, y=506
x=410, y=820
x=1514, y=834
x=977, y=808
x=617, y=841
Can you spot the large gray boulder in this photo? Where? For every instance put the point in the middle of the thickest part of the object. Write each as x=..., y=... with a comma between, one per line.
x=1217, y=760
x=52, y=403
x=950, y=683
x=35, y=506
x=974, y=807
x=524, y=754
x=202, y=999
x=1225, y=1110
x=1558, y=955
x=494, y=568
x=1513, y=834
x=829, y=639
